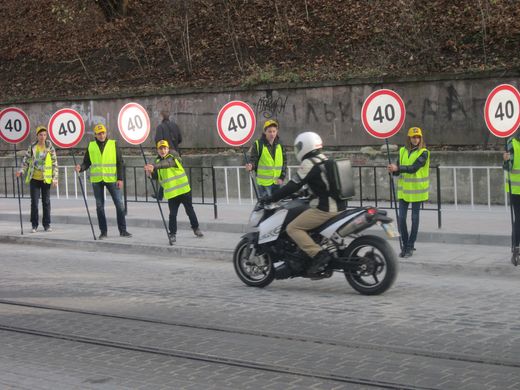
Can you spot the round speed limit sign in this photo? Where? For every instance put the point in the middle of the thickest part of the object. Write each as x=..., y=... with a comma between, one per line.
x=66, y=128
x=14, y=125
x=236, y=123
x=134, y=123
x=383, y=113
x=502, y=110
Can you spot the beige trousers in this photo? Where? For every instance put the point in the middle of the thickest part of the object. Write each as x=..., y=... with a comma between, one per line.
x=304, y=222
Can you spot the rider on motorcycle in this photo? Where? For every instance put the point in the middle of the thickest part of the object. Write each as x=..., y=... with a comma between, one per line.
x=307, y=147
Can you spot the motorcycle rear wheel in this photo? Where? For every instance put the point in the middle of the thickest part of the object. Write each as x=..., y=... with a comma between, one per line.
x=255, y=271
x=379, y=269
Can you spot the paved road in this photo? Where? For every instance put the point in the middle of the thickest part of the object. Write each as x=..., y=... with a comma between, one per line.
x=430, y=330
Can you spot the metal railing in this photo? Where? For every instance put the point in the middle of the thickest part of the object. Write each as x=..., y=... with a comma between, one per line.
x=372, y=187
x=477, y=185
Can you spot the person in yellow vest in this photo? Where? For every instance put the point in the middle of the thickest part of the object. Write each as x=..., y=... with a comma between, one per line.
x=413, y=186
x=512, y=165
x=40, y=167
x=168, y=171
x=268, y=159
x=105, y=161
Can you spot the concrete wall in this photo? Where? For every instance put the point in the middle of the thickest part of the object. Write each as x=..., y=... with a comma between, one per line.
x=449, y=109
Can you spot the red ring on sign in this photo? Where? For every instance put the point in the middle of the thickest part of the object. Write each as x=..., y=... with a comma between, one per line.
x=496, y=132
x=81, y=129
x=120, y=123
x=364, y=109
x=25, y=117
x=219, y=122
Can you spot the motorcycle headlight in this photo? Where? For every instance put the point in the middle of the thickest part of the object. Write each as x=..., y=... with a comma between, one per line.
x=255, y=217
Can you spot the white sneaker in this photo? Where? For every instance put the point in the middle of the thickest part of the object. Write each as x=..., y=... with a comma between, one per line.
x=33, y=230
x=48, y=229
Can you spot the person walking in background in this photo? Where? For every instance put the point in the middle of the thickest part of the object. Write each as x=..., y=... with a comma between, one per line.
x=512, y=166
x=170, y=132
x=105, y=161
x=40, y=166
x=168, y=170
x=413, y=186
x=268, y=159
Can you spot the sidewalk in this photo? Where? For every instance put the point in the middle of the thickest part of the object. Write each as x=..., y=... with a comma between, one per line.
x=471, y=241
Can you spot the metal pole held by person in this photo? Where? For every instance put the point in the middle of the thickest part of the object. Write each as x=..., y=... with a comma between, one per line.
x=84, y=197
x=250, y=173
x=394, y=198
x=157, y=198
x=18, y=189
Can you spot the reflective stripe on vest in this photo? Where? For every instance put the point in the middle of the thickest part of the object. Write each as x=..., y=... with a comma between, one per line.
x=269, y=170
x=514, y=176
x=103, y=165
x=413, y=187
x=173, y=180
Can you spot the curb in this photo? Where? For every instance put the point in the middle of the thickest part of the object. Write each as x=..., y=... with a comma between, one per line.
x=115, y=247
x=428, y=236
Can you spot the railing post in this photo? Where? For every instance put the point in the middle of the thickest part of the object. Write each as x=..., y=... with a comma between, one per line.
x=125, y=194
x=360, y=189
x=214, y=183
x=439, y=214
x=375, y=185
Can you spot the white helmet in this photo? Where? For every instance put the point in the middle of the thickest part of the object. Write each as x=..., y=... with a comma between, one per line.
x=306, y=143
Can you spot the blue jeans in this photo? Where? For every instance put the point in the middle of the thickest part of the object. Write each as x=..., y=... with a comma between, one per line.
x=115, y=193
x=266, y=190
x=408, y=240
x=37, y=186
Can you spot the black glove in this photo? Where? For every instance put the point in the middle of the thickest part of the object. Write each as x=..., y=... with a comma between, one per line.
x=265, y=200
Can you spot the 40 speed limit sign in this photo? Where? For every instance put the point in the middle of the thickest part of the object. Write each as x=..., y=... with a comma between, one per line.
x=134, y=123
x=383, y=113
x=14, y=125
x=502, y=110
x=236, y=123
x=66, y=128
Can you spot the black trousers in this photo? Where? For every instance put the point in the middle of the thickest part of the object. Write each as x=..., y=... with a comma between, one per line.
x=174, y=203
x=515, y=202
x=38, y=187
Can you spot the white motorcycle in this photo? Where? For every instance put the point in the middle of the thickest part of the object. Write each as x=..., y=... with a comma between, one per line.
x=266, y=252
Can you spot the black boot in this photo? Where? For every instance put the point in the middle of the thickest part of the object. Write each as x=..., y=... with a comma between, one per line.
x=319, y=263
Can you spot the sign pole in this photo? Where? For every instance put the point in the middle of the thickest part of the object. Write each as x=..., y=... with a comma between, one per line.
x=394, y=198
x=157, y=198
x=84, y=197
x=18, y=189
x=250, y=174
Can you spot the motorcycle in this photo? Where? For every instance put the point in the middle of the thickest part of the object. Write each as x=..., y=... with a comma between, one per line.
x=266, y=252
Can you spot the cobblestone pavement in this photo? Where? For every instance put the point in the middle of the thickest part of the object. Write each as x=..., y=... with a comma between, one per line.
x=429, y=331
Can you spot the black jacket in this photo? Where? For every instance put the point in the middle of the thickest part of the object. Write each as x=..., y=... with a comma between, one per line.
x=169, y=131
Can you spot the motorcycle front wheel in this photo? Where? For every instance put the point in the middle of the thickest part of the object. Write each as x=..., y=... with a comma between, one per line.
x=377, y=269
x=253, y=270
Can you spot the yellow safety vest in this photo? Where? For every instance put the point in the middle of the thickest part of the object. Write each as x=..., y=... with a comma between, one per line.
x=103, y=165
x=173, y=180
x=413, y=187
x=47, y=170
x=514, y=175
x=269, y=170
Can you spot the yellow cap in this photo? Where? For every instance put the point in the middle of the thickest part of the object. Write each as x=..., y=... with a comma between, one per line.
x=40, y=128
x=162, y=143
x=414, y=132
x=99, y=128
x=270, y=123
